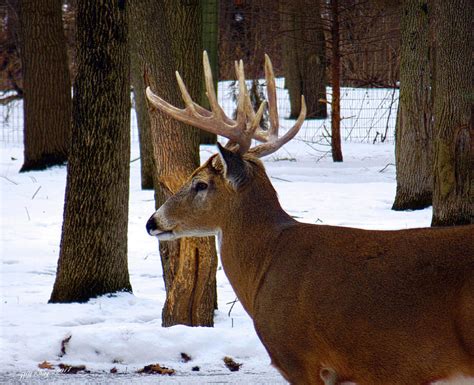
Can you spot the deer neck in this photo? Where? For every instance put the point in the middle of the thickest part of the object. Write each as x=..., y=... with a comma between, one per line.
x=245, y=244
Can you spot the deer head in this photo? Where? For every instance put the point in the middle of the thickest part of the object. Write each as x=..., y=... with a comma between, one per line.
x=222, y=185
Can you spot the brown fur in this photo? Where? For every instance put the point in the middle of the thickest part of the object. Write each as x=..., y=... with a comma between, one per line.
x=343, y=304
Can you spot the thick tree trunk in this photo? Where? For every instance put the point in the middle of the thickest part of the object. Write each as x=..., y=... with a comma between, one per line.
x=453, y=202
x=93, y=255
x=189, y=265
x=304, y=58
x=46, y=84
x=335, y=84
x=414, y=128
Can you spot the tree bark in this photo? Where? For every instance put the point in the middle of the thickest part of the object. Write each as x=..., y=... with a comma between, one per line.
x=189, y=265
x=335, y=84
x=210, y=37
x=93, y=253
x=289, y=57
x=453, y=202
x=137, y=76
x=304, y=58
x=46, y=84
x=414, y=127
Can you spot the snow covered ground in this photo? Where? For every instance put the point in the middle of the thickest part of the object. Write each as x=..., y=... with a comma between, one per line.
x=124, y=331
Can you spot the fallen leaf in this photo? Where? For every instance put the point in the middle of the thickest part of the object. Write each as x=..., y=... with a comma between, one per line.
x=113, y=370
x=185, y=358
x=70, y=369
x=156, y=369
x=231, y=364
x=45, y=365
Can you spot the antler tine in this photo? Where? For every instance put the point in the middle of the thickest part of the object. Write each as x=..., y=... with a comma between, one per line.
x=239, y=73
x=211, y=92
x=275, y=143
x=241, y=101
x=242, y=112
x=256, y=121
x=272, y=99
x=254, y=118
x=188, y=101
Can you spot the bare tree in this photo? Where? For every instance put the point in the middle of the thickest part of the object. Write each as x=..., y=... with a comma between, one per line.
x=304, y=56
x=453, y=193
x=93, y=253
x=335, y=83
x=414, y=128
x=46, y=84
x=174, y=43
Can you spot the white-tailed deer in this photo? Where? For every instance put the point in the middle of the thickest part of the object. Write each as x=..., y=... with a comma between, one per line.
x=330, y=304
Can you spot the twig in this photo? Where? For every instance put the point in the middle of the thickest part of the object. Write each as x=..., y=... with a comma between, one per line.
x=36, y=192
x=326, y=154
x=134, y=160
x=312, y=145
x=376, y=136
x=7, y=99
x=348, y=117
x=8, y=179
x=384, y=136
x=389, y=164
x=233, y=303
x=277, y=178
x=64, y=344
x=27, y=213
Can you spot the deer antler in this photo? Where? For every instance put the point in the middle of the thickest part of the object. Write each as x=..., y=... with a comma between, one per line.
x=247, y=123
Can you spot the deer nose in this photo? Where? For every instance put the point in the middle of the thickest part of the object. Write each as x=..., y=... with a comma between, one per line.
x=151, y=225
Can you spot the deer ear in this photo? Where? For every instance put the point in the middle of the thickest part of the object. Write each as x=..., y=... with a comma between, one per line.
x=235, y=168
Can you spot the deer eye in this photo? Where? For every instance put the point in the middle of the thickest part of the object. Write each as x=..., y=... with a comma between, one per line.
x=200, y=186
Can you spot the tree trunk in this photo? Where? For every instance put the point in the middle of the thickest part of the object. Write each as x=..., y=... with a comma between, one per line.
x=289, y=57
x=46, y=84
x=137, y=75
x=336, y=84
x=210, y=37
x=93, y=254
x=304, y=58
x=189, y=265
x=414, y=127
x=453, y=202
x=313, y=60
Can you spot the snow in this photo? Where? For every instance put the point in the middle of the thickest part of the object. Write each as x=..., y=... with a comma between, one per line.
x=124, y=330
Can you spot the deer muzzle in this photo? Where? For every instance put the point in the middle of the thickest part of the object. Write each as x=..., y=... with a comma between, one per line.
x=156, y=229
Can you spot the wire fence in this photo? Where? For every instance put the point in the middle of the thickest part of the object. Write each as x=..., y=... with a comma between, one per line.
x=11, y=121
x=369, y=40
x=368, y=115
